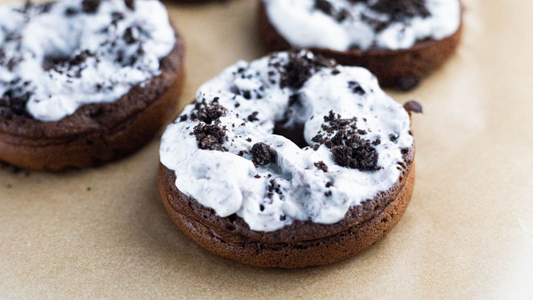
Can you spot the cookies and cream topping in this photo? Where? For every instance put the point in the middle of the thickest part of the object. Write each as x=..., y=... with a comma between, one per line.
x=287, y=137
x=58, y=56
x=363, y=24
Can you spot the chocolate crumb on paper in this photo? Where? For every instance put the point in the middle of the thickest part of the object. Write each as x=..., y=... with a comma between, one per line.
x=413, y=107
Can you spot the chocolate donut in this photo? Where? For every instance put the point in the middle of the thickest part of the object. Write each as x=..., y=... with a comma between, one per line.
x=288, y=161
x=83, y=82
x=400, y=41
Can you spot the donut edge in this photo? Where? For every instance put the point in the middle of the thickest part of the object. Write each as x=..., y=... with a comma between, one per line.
x=323, y=251
x=391, y=67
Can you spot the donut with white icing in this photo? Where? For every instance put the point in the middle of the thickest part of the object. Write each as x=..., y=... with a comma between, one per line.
x=400, y=41
x=288, y=161
x=84, y=82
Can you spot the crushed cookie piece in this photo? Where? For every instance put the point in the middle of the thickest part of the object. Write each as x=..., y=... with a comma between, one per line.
x=253, y=116
x=413, y=107
x=322, y=166
x=400, y=10
x=300, y=68
x=274, y=188
x=128, y=36
x=130, y=4
x=207, y=112
x=90, y=6
x=356, y=88
x=71, y=11
x=349, y=149
x=210, y=137
x=324, y=6
x=261, y=154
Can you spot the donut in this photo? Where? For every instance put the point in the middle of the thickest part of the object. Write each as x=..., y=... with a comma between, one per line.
x=288, y=161
x=400, y=41
x=84, y=82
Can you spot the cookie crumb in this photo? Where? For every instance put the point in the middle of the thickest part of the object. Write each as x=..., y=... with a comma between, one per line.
x=130, y=4
x=261, y=154
x=90, y=6
x=322, y=166
x=253, y=116
x=356, y=88
x=413, y=107
x=400, y=10
x=210, y=137
x=324, y=6
x=300, y=68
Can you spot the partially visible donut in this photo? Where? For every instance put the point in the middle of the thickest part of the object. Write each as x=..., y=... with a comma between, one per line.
x=83, y=82
x=288, y=161
x=400, y=41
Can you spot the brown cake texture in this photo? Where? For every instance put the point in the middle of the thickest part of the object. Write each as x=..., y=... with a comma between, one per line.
x=96, y=133
x=301, y=244
x=401, y=69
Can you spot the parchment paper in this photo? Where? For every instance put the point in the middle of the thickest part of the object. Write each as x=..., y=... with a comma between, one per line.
x=468, y=233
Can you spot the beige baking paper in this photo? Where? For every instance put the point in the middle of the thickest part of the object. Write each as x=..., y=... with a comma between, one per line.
x=468, y=233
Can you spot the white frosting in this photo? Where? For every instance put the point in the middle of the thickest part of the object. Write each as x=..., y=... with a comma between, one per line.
x=302, y=25
x=227, y=183
x=58, y=92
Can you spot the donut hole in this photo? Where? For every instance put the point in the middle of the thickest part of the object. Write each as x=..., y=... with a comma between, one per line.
x=293, y=124
x=294, y=132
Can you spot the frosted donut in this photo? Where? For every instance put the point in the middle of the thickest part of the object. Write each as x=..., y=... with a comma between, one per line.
x=84, y=81
x=288, y=161
x=400, y=41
